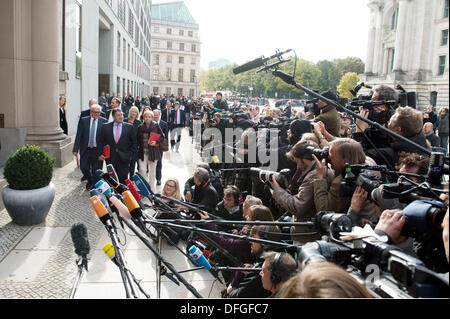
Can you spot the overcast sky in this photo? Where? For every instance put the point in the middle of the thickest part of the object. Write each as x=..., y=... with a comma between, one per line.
x=242, y=30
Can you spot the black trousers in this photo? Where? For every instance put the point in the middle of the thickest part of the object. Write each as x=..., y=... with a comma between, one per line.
x=158, y=170
x=89, y=165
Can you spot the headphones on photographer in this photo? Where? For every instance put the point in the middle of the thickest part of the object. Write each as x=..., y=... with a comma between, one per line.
x=275, y=275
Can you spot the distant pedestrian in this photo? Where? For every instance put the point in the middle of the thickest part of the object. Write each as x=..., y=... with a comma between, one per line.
x=62, y=114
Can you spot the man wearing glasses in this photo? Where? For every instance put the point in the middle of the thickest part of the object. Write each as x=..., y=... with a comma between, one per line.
x=86, y=141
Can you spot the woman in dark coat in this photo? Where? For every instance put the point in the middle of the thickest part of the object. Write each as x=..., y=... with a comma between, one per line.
x=148, y=151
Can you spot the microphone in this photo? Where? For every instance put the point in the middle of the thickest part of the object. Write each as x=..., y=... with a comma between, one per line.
x=135, y=211
x=104, y=217
x=112, y=172
x=199, y=258
x=141, y=185
x=134, y=192
x=111, y=181
x=94, y=192
x=256, y=63
x=109, y=250
x=103, y=188
x=81, y=242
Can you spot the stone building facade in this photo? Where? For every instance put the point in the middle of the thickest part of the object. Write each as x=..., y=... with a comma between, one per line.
x=408, y=45
x=175, y=50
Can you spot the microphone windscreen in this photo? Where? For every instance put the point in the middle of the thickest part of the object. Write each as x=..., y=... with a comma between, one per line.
x=141, y=185
x=103, y=188
x=249, y=66
x=80, y=239
x=94, y=192
x=197, y=255
x=132, y=204
x=133, y=190
x=109, y=250
x=100, y=209
x=123, y=210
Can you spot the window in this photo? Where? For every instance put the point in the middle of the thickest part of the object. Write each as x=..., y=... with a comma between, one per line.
x=444, y=37
x=155, y=75
x=156, y=59
x=193, y=61
x=124, y=48
x=156, y=90
x=169, y=59
x=118, y=85
x=180, y=75
x=181, y=46
x=119, y=41
x=168, y=91
x=433, y=98
x=190, y=34
x=169, y=45
x=193, y=48
x=156, y=44
x=192, y=77
x=394, y=20
x=441, y=64
x=169, y=31
x=78, y=46
x=180, y=92
x=446, y=9
x=181, y=33
x=181, y=60
x=191, y=92
x=169, y=74
x=156, y=29
x=391, y=59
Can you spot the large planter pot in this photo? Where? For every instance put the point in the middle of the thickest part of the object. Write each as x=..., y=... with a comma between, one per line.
x=30, y=207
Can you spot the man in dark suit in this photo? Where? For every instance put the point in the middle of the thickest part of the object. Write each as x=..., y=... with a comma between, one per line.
x=115, y=104
x=166, y=112
x=122, y=140
x=165, y=129
x=88, y=111
x=86, y=142
x=63, y=120
x=103, y=102
x=176, y=124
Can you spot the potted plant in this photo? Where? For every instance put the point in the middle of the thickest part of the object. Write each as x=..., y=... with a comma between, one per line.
x=29, y=193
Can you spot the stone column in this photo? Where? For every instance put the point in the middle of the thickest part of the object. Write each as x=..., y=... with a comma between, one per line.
x=400, y=36
x=29, y=78
x=45, y=131
x=373, y=5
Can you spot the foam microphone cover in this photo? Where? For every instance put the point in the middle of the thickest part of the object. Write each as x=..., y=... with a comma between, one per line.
x=100, y=209
x=132, y=204
x=123, y=210
x=80, y=239
x=133, y=190
x=141, y=185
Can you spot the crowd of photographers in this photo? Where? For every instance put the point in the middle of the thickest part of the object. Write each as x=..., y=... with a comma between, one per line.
x=328, y=160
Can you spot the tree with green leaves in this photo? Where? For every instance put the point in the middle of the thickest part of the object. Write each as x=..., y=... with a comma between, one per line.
x=348, y=81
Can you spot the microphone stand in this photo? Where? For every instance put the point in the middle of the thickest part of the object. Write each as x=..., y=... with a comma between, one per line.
x=81, y=264
x=124, y=272
x=162, y=259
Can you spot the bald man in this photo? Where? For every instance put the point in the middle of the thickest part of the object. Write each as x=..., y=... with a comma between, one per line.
x=430, y=135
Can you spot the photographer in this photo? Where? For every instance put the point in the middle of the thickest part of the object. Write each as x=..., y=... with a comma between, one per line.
x=230, y=208
x=219, y=103
x=215, y=182
x=342, y=151
x=204, y=193
x=329, y=115
x=301, y=206
x=406, y=122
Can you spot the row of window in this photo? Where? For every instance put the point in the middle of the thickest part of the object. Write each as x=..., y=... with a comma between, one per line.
x=124, y=86
x=181, y=32
x=181, y=59
x=168, y=75
x=169, y=46
x=129, y=59
x=168, y=91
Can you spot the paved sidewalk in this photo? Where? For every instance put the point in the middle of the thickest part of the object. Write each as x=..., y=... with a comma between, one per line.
x=40, y=262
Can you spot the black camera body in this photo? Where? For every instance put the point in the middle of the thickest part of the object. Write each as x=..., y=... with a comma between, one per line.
x=319, y=153
x=354, y=177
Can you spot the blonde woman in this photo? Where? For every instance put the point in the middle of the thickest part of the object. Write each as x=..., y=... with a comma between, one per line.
x=133, y=119
x=171, y=189
x=148, y=151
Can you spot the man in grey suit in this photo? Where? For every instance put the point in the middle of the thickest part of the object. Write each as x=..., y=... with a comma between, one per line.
x=86, y=142
x=122, y=140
